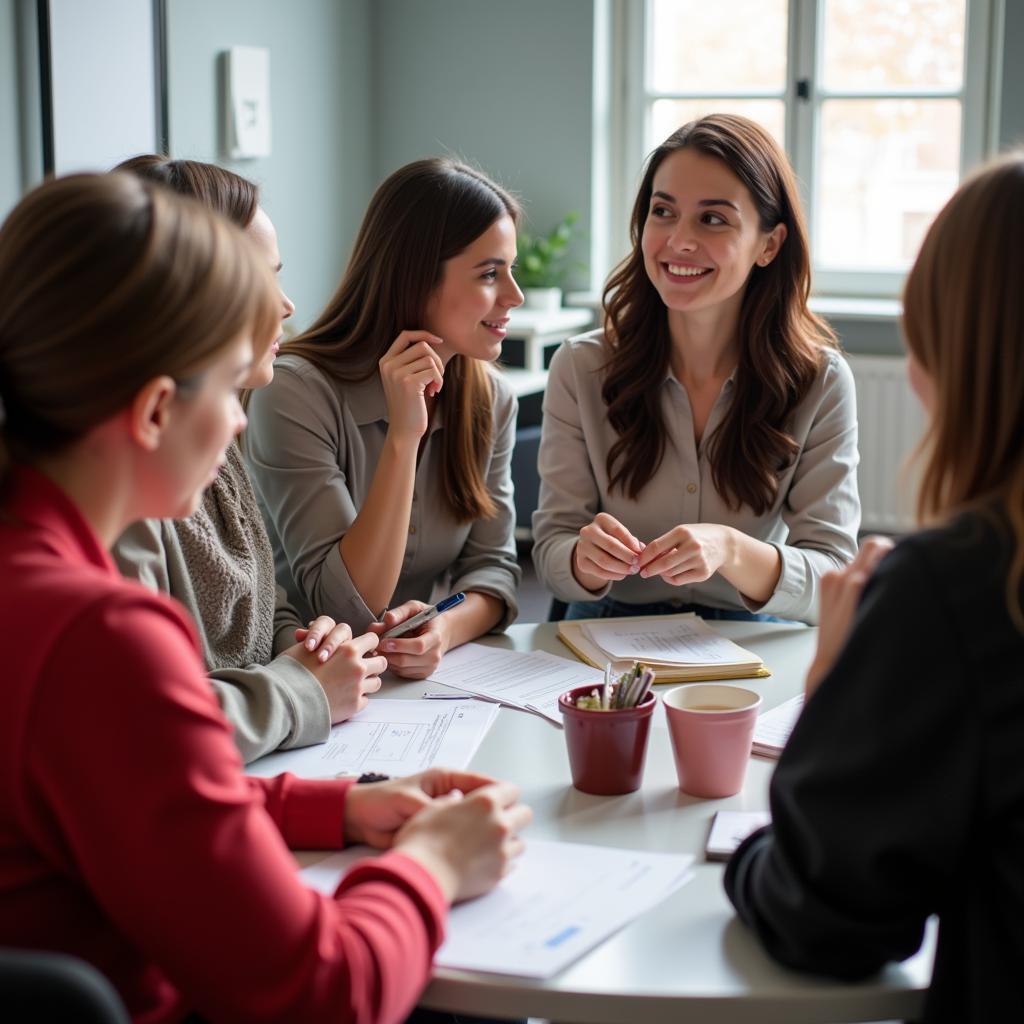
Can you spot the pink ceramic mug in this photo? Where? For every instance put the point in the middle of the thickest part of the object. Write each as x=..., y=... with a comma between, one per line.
x=712, y=727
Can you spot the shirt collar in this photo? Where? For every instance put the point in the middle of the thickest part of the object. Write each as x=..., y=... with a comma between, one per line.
x=365, y=400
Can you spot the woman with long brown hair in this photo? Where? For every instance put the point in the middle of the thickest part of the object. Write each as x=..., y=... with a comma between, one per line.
x=901, y=792
x=280, y=683
x=129, y=837
x=699, y=452
x=381, y=451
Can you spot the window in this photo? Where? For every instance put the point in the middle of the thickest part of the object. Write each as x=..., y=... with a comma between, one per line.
x=881, y=106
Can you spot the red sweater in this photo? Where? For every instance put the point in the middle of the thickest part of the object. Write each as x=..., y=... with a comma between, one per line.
x=129, y=835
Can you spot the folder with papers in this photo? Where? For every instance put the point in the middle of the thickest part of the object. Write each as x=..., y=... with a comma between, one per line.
x=680, y=648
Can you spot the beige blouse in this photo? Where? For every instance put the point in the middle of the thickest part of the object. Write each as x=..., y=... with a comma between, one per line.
x=813, y=523
x=312, y=447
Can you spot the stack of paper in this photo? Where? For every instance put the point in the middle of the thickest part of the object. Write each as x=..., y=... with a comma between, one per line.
x=395, y=737
x=529, y=680
x=680, y=648
x=558, y=902
x=773, y=727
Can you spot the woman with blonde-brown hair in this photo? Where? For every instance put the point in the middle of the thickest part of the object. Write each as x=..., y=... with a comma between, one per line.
x=129, y=837
x=381, y=451
x=280, y=683
x=699, y=452
x=901, y=792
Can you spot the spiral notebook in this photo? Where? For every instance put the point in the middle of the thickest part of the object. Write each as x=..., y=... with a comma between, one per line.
x=680, y=648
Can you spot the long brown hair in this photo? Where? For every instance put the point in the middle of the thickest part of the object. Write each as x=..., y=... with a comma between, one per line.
x=217, y=188
x=963, y=319
x=781, y=340
x=423, y=214
x=107, y=281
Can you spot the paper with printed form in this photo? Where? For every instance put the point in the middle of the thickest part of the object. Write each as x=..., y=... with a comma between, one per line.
x=773, y=727
x=530, y=680
x=559, y=901
x=395, y=737
x=683, y=640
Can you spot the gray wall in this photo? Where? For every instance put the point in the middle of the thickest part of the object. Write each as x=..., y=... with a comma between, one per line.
x=10, y=144
x=319, y=175
x=506, y=85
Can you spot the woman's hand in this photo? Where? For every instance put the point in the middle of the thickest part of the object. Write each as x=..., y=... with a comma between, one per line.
x=344, y=666
x=375, y=811
x=840, y=595
x=323, y=636
x=411, y=371
x=687, y=554
x=417, y=654
x=605, y=551
x=467, y=842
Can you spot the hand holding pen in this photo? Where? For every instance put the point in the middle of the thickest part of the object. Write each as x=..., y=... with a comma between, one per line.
x=415, y=657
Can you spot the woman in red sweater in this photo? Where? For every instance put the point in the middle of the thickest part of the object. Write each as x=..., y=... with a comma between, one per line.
x=128, y=834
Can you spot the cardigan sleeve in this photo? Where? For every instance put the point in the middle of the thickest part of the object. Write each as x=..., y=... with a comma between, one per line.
x=144, y=787
x=873, y=798
x=569, y=494
x=280, y=705
x=822, y=506
x=292, y=449
x=487, y=562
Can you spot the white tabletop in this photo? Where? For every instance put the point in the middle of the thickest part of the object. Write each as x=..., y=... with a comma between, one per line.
x=690, y=959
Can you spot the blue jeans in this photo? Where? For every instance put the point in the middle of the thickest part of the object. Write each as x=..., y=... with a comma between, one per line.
x=609, y=608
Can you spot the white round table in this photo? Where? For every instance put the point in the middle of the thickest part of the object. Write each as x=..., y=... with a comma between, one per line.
x=690, y=959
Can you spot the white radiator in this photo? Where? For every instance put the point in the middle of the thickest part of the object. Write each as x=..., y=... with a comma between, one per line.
x=890, y=423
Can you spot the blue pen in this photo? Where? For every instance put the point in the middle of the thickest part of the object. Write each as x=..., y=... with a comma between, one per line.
x=424, y=616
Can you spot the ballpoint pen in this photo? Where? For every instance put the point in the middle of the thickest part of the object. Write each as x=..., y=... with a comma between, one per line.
x=424, y=616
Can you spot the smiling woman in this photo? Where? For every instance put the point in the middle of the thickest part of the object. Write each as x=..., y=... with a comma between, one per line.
x=382, y=449
x=699, y=452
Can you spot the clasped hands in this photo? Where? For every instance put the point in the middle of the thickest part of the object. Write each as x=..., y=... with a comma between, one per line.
x=463, y=827
x=607, y=551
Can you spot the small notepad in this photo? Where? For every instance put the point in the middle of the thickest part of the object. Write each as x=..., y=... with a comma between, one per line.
x=729, y=829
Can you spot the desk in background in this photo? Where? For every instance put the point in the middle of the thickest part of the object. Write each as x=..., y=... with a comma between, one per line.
x=690, y=959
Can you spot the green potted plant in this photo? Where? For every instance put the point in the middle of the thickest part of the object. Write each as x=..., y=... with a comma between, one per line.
x=541, y=265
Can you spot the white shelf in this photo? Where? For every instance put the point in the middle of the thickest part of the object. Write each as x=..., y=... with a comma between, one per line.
x=540, y=328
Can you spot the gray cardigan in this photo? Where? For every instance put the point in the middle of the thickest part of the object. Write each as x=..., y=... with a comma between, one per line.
x=813, y=523
x=271, y=706
x=312, y=449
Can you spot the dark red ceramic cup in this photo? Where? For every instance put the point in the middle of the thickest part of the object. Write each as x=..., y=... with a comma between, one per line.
x=606, y=748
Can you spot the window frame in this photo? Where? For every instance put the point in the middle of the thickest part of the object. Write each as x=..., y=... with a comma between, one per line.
x=978, y=97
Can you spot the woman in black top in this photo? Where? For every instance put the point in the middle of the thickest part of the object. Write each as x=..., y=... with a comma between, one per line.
x=901, y=792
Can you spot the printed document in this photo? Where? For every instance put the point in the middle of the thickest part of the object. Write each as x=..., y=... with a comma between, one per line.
x=395, y=737
x=530, y=680
x=773, y=727
x=685, y=640
x=559, y=901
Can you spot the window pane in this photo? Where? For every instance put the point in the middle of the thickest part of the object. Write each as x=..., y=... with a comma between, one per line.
x=885, y=168
x=737, y=46
x=886, y=44
x=668, y=115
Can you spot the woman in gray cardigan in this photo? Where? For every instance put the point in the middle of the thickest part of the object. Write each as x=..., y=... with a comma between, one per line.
x=699, y=453
x=381, y=452
x=280, y=684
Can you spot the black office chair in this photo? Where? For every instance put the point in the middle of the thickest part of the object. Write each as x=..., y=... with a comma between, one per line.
x=38, y=986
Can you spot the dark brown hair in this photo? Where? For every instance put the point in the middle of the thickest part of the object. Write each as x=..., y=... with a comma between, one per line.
x=781, y=340
x=230, y=194
x=423, y=214
x=107, y=281
x=963, y=318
